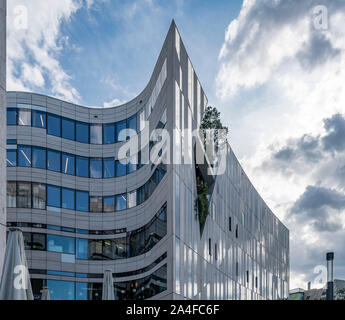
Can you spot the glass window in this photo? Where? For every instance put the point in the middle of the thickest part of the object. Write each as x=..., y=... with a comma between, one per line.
x=24, y=117
x=54, y=160
x=11, y=159
x=54, y=125
x=132, y=164
x=132, y=199
x=53, y=196
x=108, y=168
x=81, y=249
x=68, y=199
x=11, y=116
x=60, y=244
x=24, y=156
x=109, y=133
x=39, y=157
x=81, y=290
x=39, y=119
x=11, y=194
x=61, y=290
x=120, y=134
x=120, y=248
x=96, y=134
x=121, y=169
x=38, y=241
x=23, y=195
x=96, y=168
x=96, y=204
x=132, y=124
x=109, y=204
x=82, y=132
x=121, y=202
x=95, y=251
x=68, y=164
x=68, y=129
x=82, y=199
x=39, y=196
x=82, y=165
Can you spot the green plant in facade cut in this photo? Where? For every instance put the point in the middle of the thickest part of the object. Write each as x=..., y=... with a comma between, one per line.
x=202, y=200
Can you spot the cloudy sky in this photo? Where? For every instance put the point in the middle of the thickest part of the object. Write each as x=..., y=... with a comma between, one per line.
x=273, y=68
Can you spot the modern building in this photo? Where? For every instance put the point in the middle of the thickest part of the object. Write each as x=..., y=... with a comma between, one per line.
x=2, y=131
x=86, y=206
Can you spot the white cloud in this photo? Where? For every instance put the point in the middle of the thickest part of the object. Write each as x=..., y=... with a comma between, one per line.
x=33, y=53
x=113, y=103
x=279, y=79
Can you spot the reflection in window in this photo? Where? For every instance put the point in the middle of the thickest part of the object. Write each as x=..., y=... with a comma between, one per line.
x=81, y=252
x=132, y=124
x=60, y=244
x=108, y=168
x=39, y=119
x=121, y=131
x=11, y=116
x=38, y=242
x=96, y=204
x=121, y=202
x=39, y=156
x=68, y=164
x=132, y=164
x=132, y=199
x=39, y=196
x=96, y=134
x=121, y=168
x=53, y=125
x=53, y=196
x=81, y=291
x=54, y=160
x=24, y=117
x=109, y=133
x=11, y=159
x=24, y=156
x=61, y=290
x=82, y=132
x=82, y=165
x=96, y=168
x=11, y=194
x=23, y=195
x=109, y=204
x=82, y=201
x=68, y=129
x=68, y=199
x=95, y=250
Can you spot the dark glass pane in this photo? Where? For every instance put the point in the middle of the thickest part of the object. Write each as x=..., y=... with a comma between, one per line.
x=121, y=169
x=24, y=156
x=11, y=194
x=39, y=158
x=109, y=204
x=11, y=159
x=82, y=132
x=38, y=241
x=23, y=195
x=60, y=244
x=96, y=169
x=82, y=165
x=81, y=253
x=54, y=160
x=11, y=116
x=53, y=196
x=121, y=202
x=132, y=164
x=68, y=164
x=120, y=248
x=68, y=129
x=39, y=119
x=68, y=199
x=54, y=125
x=39, y=196
x=96, y=204
x=121, y=134
x=109, y=133
x=95, y=250
x=82, y=199
x=61, y=290
x=24, y=117
x=108, y=168
x=96, y=134
x=132, y=124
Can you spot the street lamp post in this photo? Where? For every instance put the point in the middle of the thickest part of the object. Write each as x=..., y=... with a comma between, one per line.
x=330, y=283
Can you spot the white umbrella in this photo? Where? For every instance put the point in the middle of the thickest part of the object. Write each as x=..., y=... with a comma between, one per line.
x=108, y=286
x=15, y=280
x=45, y=294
